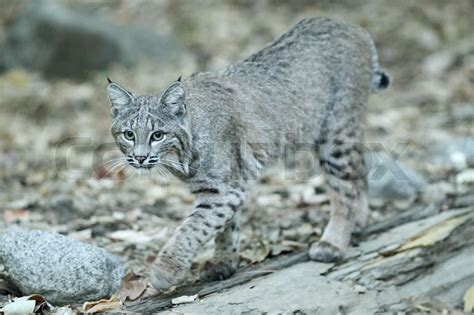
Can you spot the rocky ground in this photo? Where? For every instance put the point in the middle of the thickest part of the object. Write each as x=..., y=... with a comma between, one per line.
x=55, y=151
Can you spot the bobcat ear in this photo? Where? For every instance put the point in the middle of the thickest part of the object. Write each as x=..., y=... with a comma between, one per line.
x=174, y=98
x=118, y=97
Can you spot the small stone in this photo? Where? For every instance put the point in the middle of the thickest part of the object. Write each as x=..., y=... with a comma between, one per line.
x=465, y=178
x=63, y=270
x=269, y=200
x=119, y=216
x=360, y=289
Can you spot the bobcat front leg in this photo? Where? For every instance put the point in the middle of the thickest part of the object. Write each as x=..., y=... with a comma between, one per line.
x=226, y=253
x=215, y=210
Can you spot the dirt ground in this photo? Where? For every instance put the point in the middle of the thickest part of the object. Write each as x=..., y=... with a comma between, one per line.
x=55, y=142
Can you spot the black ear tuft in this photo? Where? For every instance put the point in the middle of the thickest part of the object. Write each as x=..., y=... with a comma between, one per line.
x=108, y=80
x=179, y=79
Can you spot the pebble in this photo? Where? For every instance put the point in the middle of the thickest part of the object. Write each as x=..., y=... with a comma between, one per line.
x=466, y=177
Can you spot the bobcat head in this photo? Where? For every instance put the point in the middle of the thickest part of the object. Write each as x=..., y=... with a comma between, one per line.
x=151, y=130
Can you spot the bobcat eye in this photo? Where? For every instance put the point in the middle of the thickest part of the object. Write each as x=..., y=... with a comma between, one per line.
x=129, y=135
x=157, y=136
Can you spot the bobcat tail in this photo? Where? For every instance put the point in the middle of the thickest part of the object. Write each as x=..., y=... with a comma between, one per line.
x=380, y=80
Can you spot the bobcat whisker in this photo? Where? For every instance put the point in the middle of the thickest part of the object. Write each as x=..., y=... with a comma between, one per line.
x=117, y=168
x=164, y=173
x=112, y=161
x=174, y=166
x=115, y=163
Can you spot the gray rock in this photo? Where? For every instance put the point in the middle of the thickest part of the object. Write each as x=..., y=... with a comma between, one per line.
x=63, y=270
x=60, y=42
x=391, y=180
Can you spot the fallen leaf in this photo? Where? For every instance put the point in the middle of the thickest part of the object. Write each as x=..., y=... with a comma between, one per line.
x=102, y=305
x=41, y=304
x=134, y=237
x=26, y=304
x=301, y=233
x=19, y=307
x=150, y=292
x=256, y=254
x=434, y=234
x=184, y=299
x=469, y=300
x=132, y=287
x=150, y=258
x=286, y=246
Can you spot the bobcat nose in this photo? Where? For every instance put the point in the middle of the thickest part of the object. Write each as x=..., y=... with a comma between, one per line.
x=140, y=158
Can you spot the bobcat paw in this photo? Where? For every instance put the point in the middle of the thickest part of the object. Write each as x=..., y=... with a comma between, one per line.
x=166, y=273
x=213, y=271
x=325, y=252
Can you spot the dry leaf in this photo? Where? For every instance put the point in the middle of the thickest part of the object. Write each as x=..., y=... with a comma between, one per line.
x=301, y=233
x=286, y=246
x=134, y=237
x=150, y=292
x=469, y=300
x=133, y=286
x=41, y=304
x=434, y=234
x=184, y=299
x=26, y=304
x=19, y=307
x=102, y=305
x=256, y=254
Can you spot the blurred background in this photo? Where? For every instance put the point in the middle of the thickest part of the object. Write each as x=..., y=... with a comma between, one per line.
x=54, y=116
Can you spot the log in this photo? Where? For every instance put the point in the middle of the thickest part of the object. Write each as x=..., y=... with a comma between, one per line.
x=424, y=263
x=162, y=302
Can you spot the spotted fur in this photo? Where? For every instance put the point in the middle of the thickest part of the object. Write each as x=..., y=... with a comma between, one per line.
x=309, y=88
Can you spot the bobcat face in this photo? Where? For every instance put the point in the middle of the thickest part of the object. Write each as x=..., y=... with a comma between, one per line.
x=143, y=147
x=149, y=129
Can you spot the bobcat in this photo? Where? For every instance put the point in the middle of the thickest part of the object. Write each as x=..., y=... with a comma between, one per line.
x=215, y=131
